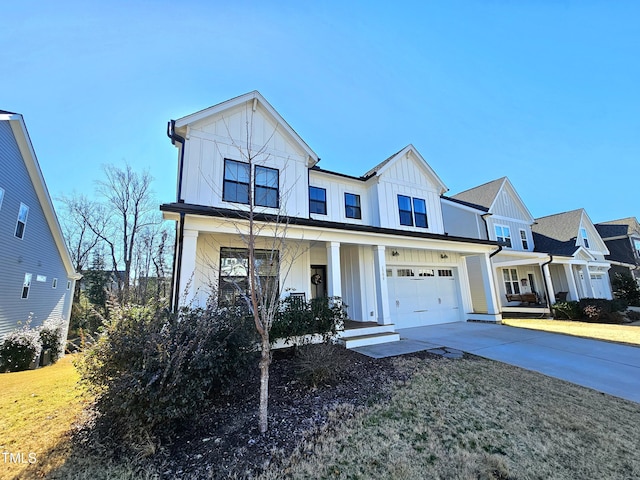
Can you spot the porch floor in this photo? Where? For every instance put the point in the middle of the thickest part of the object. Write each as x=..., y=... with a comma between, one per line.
x=352, y=324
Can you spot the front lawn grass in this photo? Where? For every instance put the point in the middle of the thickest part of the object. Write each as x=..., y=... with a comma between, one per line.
x=37, y=409
x=600, y=331
x=476, y=419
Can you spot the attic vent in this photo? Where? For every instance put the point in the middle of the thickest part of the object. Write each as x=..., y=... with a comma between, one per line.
x=505, y=198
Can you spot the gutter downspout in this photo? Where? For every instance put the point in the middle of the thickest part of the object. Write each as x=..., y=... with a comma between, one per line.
x=544, y=280
x=178, y=246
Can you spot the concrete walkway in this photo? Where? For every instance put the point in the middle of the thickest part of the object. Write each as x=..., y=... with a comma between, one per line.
x=604, y=366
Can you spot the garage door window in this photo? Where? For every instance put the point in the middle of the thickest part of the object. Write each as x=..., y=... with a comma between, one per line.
x=405, y=272
x=426, y=272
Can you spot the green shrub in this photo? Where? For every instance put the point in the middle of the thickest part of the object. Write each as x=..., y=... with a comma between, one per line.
x=297, y=317
x=320, y=364
x=568, y=310
x=19, y=349
x=151, y=369
x=51, y=334
x=601, y=310
x=626, y=288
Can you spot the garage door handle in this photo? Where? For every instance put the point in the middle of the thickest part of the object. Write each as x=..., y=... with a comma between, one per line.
x=439, y=301
x=397, y=303
x=418, y=311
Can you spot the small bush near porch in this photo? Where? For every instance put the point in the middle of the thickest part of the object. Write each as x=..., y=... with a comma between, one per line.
x=596, y=310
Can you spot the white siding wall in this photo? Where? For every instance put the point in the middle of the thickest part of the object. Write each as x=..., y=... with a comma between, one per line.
x=514, y=227
x=406, y=177
x=476, y=282
x=336, y=186
x=208, y=144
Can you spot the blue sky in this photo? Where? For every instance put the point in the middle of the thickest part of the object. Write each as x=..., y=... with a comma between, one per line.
x=544, y=92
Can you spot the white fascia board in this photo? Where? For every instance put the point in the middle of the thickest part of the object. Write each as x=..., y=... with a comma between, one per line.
x=423, y=163
x=464, y=207
x=255, y=95
x=37, y=179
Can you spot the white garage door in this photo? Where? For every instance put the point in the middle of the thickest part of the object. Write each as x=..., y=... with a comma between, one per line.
x=598, y=284
x=423, y=296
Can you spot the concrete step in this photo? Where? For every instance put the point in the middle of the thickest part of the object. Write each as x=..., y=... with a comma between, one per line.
x=375, y=339
x=360, y=332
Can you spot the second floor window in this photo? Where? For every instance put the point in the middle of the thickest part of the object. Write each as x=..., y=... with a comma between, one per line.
x=523, y=237
x=352, y=205
x=503, y=234
x=317, y=200
x=420, y=212
x=1, y=196
x=22, y=220
x=236, y=182
x=267, y=191
x=636, y=246
x=404, y=206
x=585, y=238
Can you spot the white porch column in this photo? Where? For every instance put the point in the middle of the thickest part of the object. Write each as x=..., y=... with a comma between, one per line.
x=571, y=280
x=546, y=273
x=187, y=288
x=382, y=290
x=334, y=282
x=489, y=286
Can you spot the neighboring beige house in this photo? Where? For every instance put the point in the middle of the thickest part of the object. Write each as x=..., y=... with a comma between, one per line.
x=378, y=240
x=37, y=277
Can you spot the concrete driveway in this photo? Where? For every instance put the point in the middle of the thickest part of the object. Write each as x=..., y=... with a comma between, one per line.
x=603, y=366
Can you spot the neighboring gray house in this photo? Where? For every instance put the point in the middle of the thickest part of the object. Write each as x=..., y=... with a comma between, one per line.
x=37, y=277
x=622, y=238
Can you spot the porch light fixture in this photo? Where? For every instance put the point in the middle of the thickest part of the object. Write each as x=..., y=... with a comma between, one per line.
x=444, y=255
x=394, y=253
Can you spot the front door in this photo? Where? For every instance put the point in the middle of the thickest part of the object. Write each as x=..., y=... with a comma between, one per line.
x=318, y=278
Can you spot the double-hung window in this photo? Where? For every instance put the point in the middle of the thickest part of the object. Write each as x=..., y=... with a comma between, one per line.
x=317, y=200
x=236, y=181
x=636, y=246
x=510, y=277
x=503, y=234
x=267, y=190
x=404, y=206
x=23, y=213
x=234, y=271
x=585, y=238
x=412, y=216
x=1, y=196
x=523, y=238
x=352, y=205
x=420, y=212
x=26, y=285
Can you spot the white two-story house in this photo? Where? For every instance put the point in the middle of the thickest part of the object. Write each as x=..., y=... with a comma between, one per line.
x=378, y=240
x=495, y=211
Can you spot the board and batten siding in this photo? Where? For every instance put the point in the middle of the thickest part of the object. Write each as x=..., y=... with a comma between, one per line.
x=514, y=227
x=36, y=253
x=336, y=187
x=211, y=140
x=406, y=177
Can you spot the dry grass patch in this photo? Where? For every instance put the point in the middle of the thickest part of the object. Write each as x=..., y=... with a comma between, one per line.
x=614, y=333
x=476, y=419
x=38, y=408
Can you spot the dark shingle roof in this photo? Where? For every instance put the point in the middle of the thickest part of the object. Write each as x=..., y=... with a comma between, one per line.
x=377, y=168
x=468, y=204
x=5, y=112
x=482, y=195
x=556, y=234
x=617, y=228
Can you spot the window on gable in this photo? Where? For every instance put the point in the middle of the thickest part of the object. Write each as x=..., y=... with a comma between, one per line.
x=317, y=200
x=523, y=237
x=352, y=205
x=420, y=212
x=54, y=284
x=22, y=220
x=267, y=187
x=636, y=246
x=510, y=277
x=26, y=285
x=236, y=181
x=412, y=216
x=404, y=206
x=585, y=238
x=503, y=234
x=1, y=196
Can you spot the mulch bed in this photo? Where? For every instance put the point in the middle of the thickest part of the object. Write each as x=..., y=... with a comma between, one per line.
x=225, y=442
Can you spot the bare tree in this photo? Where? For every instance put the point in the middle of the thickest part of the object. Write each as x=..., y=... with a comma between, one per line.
x=128, y=195
x=83, y=227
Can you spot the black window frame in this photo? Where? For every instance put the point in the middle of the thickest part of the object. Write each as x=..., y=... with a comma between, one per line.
x=232, y=288
x=406, y=216
x=352, y=210
x=226, y=183
x=21, y=223
x=420, y=217
x=313, y=202
x=257, y=196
